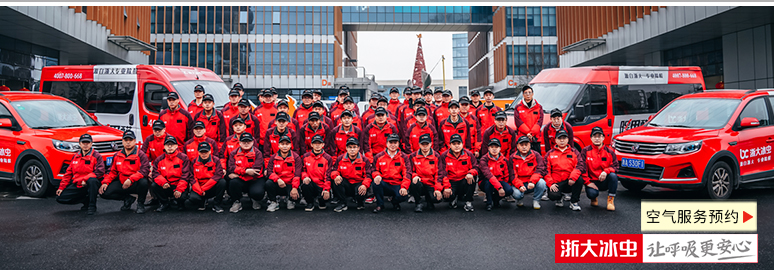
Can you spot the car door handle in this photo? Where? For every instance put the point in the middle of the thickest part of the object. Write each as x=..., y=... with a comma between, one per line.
x=770, y=140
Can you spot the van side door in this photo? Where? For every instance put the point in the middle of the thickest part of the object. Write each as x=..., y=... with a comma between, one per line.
x=153, y=96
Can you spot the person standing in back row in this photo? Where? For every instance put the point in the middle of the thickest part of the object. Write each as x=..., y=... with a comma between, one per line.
x=487, y=110
x=178, y=121
x=213, y=120
x=528, y=117
x=196, y=105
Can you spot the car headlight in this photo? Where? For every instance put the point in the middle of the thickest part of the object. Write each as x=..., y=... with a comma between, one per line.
x=682, y=148
x=66, y=146
x=612, y=143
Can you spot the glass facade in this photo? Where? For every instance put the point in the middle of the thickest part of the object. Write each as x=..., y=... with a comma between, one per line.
x=19, y=59
x=706, y=54
x=417, y=14
x=530, y=21
x=460, y=56
x=531, y=59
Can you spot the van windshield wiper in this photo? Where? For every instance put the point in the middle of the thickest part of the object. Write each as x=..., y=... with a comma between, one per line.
x=679, y=126
x=654, y=125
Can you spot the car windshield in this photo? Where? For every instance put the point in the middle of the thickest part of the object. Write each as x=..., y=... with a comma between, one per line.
x=704, y=113
x=218, y=90
x=51, y=114
x=552, y=95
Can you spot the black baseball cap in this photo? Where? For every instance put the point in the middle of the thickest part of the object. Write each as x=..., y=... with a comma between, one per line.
x=488, y=91
x=348, y=99
x=597, y=130
x=352, y=140
x=317, y=91
x=455, y=138
x=129, y=135
x=318, y=104
x=208, y=97
x=394, y=90
x=454, y=103
x=233, y=92
x=273, y=91
x=475, y=93
x=523, y=139
x=199, y=124
x=561, y=133
x=421, y=111
x=170, y=140
x=204, y=147
x=266, y=92
x=556, y=113
x=343, y=87
x=238, y=85
x=383, y=99
x=407, y=90
x=246, y=137
x=283, y=116
x=306, y=93
x=393, y=137
x=347, y=112
x=173, y=95
x=380, y=110
x=494, y=142
x=198, y=87
x=500, y=115
x=237, y=119
x=427, y=92
x=420, y=101
x=314, y=116
x=438, y=90
x=317, y=138
x=447, y=93
x=375, y=96
x=425, y=138
x=243, y=102
x=285, y=138
x=85, y=138
x=344, y=92
x=283, y=102
x=464, y=100
x=159, y=125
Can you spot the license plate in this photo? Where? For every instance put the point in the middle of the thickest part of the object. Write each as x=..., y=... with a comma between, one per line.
x=633, y=163
x=109, y=161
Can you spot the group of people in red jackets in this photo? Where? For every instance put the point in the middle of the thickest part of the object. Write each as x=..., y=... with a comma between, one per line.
x=427, y=149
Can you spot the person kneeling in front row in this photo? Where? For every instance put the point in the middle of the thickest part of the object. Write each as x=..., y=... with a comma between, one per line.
x=564, y=169
x=601, y=168
x=529, y=168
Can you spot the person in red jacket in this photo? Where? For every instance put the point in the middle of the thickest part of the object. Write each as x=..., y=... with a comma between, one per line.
x=407, y=118
x=282, y=107
x=564, y=170
x=252, y=122
x=284, y=172
x=601, y=168
x=232, y=142
x=438, y=97
x=496, y=171
x=475, y=126
x=196, y=105
x=320, y=109
x=529, y=169
x=178, y=121
x=502, y=132
x=272, y=136
x=351, y=174
x=415, y=131
x=392, y=106
x=375, y=135
x=551, y=130
x=128, y=175
x=336, y=140
x=528, y=117
x=214, y=122
x=265, y=112
x=454, y=124
x=153, y=145
x=349, y=105
x=390, y=172
x=171, y=176
x=373, y=103
x=315, y=181
x=429, y=96
x=372, y=118
x=459, y=182
x=337, y=107
x=442, y=112
x=245, y=173
x=208, y=180
x=80, y=183
x=230, y=110
x=312, y=128
x=427, y=173
x=486, y=112
x=475, y=100
x=302, y=112
x=192, y=145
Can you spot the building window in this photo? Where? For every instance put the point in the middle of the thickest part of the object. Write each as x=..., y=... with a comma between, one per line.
x=706, y=54
x=530, y=60
x=462, y=91
x=275, y=19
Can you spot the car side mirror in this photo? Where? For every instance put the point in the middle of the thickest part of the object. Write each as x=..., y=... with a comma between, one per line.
x=749, y=122
x=578, y=114
x=6, y=123
x=650, y=118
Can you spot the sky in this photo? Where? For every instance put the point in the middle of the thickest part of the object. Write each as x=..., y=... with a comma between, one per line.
x=390, y=55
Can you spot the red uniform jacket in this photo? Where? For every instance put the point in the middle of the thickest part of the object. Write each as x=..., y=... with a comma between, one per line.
x=215, y=125
x=392, y=106
x=528, y=119
x=178, y=122
x=429, y=168
x=441, y=113
x=206, y=174
x=293, y=124
x=393, y=170
x=377, y=137
x=563, y=165
x=372, y=119
x=411, y=138
x=240, y=160
x=476, y=131
x=527, y=169
x=356, y=121
x=82, y=168
x=598, y=161
x=318, y=168
x=337, y=108
x=192, y=147
x=486, y=115
x=252, y=126
x=153, y=146
x=354, y=171
x=288, y=169
x=194, y=108
x=265, y=113
x=336, y=140
x=549, y=135
x=305, y=138
x=173, y=169
x=507, y=139
x=301, y=113
x=229, y=111
x=496, y=169
x=271, y=141
x=448, y=129
x=230, y=145
x=457, y=167
x=324, y=119
x=369, y=111
x=134, y=166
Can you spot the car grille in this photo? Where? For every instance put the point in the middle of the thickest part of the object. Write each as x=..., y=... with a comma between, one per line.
x=650, y=172
x=107, y=147
x=643, y=148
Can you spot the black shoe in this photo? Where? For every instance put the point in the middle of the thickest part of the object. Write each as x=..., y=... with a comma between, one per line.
x=128, y=203
x=84, y=207
x=217, y=208
x=181, y=206
x=140, y=208
x=378, y=209
x=309, y=207
x=488, y=207
x=360, y=205
x=396, y=206
x=153, y=202
x=342, y=207
x=419, y=208
x=91, y=210
x=163, y=207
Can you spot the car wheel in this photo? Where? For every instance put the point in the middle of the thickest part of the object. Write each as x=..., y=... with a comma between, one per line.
x=720, y=179
x=34, y=179
x=632, y=185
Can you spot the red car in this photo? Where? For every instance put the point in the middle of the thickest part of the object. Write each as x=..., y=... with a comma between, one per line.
x=39, y=135
x=716, y=141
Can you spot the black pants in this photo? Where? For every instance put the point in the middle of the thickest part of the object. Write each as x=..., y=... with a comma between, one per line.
x=86, y=195
x=565, y=186
x=116, y=191
x=346, y=189
x=390, y=190
x=215, y=192
x=462, y=191
x=164, y=195
x=273, y=190
x=254, y=189
x=311, y=192
x=419, y=190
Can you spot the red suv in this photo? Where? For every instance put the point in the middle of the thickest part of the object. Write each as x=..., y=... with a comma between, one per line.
x=39, y=135
x=715, y=141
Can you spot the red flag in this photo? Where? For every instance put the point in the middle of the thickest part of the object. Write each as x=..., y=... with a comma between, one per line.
x=419, y=64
